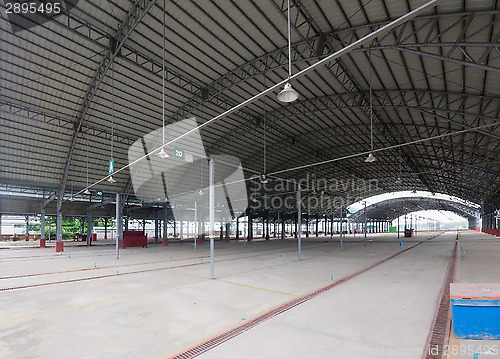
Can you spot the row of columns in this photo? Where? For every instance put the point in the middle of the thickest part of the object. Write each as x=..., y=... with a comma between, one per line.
x=490, y=221
x=325, y=224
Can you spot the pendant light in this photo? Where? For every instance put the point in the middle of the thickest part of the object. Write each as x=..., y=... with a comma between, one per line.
x=87, y=160
x=371, y=158
x=163, y=154
x=263, y=175
x=288, y=94
x=112, y=161
x=399, y=180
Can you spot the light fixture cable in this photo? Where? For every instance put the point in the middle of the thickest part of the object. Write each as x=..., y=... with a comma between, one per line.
x=87, y=162
x=111, y=179
x=163, y=153
x=288, y=94
x=371, y=102
x=264, y=179
x=371, y=157
x=112, y=105
x=163, y=79
x=289, y=44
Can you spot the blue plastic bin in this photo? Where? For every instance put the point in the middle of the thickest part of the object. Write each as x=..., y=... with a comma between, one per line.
x=476, y=310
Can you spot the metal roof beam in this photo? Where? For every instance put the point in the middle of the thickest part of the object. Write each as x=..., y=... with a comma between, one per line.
x=447, y=59
x=41, y=116
x=346, y=100
x=139, y=9
x=301, y=51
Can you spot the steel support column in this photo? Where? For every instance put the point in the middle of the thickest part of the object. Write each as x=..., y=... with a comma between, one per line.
x=165, y=222
x=27, y=231
x=331, y=227
x=364, y=229
x=297, y=229
x=237, y=228
x=341, y=231
x=42, y=223
x=307, y=222
x=196, y=228
x=59, y=242
x=317, y=224
x=250, y=226
x=212, y=216
x=157, y=232
x=299, y=221
x=89, y=227
x=118, y=220
x=267, y=226
x=283, y=226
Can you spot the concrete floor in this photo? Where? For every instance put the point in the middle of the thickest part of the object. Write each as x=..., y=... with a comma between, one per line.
x=162, y=301
x=481, y=264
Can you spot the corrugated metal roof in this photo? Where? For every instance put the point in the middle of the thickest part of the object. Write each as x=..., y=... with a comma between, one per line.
x=434, y=75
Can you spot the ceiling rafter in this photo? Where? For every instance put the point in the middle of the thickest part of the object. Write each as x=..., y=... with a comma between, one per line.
x=137, y=12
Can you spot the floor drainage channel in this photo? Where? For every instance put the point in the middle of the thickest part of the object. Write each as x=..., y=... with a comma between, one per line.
x=231, y=333
x=440, y=329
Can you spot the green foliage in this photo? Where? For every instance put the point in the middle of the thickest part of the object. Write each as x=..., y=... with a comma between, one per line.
x=70, y=225
x=34, y=227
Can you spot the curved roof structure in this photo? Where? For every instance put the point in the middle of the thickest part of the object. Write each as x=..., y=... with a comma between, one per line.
x=94, y=74
x=393, y=208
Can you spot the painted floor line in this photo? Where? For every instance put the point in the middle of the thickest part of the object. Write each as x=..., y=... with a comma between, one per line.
x=253, y=287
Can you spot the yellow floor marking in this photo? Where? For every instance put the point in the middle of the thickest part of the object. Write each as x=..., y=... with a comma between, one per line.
x=224, y=330
x=54, y=311
x=90, y=304
x=147, y=316
x=255, y=269
x=251, y=286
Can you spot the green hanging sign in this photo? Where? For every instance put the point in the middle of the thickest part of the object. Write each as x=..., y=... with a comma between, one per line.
x=111, y=167
x=99, y=193
x=263, y=177
x=178, y=153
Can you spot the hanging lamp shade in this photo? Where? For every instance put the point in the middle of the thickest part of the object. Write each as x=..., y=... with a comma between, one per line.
x=86, y=191
x=163, y=154
x=111, y=179
x=71, y=198
x=399, y=180
x=200, y=192
x=371, y=158
x=288, y=94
